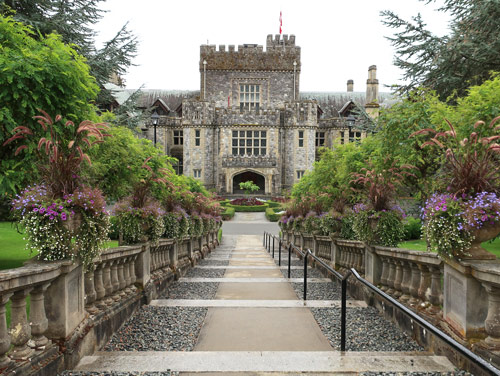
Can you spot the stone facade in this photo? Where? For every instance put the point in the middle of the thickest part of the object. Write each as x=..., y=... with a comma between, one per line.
x=248, y=121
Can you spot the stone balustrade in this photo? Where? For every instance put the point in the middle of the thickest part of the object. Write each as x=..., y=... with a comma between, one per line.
x=26, y=336
x=323, y=247
x=77, y=311
x=113, y=277
x=412, y=277
x=350, y=254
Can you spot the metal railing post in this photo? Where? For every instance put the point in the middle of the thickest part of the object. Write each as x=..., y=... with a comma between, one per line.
x=305, y=274
x=264, y=239
x=343, y=312
x=279, y=256
x=289, y=259
x=273, y=247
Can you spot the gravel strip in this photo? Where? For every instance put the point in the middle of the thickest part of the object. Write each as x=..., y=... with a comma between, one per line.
x=207, y=261
x=159, y=329
x=299, y=273
x=456, y=373
x=366, y=330
x=205, y=273
x=118, y=373
x=191, y=290
x=318, y=291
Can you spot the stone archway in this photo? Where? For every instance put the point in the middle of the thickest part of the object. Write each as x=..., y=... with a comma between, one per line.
x=257, y=179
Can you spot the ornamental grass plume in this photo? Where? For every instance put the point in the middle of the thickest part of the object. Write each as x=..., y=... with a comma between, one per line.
x=472, y=164
x=380, y=186
x=61, y=151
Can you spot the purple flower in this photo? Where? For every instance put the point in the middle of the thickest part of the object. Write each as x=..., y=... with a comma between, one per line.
x=63, y=216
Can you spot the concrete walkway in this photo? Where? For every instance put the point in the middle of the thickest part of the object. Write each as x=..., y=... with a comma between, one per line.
x=255, y=325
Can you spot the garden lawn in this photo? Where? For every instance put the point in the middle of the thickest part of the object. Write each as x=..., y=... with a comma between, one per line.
x=420, y=245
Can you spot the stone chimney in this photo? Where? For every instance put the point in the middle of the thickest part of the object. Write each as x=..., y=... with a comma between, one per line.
x=372, y=105
x=350, y=86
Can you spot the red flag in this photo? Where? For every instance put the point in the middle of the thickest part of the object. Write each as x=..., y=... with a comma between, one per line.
x=281, y=23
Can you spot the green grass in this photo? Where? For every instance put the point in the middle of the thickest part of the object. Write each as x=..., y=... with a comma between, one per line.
x=420, y=245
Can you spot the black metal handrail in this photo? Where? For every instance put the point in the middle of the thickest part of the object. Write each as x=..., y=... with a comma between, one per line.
x=483, y=364
x=477, y=360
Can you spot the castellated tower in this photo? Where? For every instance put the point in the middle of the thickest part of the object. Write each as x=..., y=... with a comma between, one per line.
x=248, y=123
x=372, y=101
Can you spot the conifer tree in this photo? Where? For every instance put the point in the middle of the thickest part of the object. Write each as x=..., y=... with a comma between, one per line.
x=451, y=63
x=73, y=20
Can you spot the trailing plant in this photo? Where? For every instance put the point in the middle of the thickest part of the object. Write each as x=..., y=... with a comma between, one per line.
x=139, y=224
x=330, y=223
x=312, y=223
x=346, y=228
x=48, y=223
x=171, y=221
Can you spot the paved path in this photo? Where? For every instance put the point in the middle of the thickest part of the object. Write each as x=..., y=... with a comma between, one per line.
x=255, y=325
x=249, y=224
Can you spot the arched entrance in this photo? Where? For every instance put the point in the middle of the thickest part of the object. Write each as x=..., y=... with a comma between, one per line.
x=257, y=179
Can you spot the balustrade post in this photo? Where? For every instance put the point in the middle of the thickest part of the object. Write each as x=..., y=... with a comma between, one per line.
x=435, y=295
x=108, y=285
x=391, y=276
x=100, y=291
x=114, y=281
x=425, y=282
x=20, y=330
x=415, y=284
x=133, y=277
x=492, y=322
x=4, y=335
x=126, y=274
x=121, y=277
x=406, y=282
x=143, y=267
x=39, y=322
x=398, y=279
x=384, y=274
x=90, y=292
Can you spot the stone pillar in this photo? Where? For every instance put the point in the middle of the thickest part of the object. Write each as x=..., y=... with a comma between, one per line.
x=425, y=282
x=142, y=266
x=373, y=266
x=405, y=282
x=465, y=300
x=384, y=274
x=391, y=276
x=435, y=295
x=415, y=283
x=492, y=322
x=90, y=293
x=64, y=301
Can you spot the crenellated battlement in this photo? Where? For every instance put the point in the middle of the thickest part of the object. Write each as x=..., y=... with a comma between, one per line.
x=280, y=54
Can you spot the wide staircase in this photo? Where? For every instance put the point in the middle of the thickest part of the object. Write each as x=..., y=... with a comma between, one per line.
x=236, y=313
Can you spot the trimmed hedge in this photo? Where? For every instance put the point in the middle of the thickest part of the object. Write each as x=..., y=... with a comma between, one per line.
x=243, y=208
x=273, y=204
x=228, y=214
x=224, y=203
x=271, y=214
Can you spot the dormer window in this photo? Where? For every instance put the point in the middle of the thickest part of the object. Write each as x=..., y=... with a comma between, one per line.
x=249, y=97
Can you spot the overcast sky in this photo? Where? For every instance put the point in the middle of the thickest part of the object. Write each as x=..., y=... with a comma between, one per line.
x=339, y=40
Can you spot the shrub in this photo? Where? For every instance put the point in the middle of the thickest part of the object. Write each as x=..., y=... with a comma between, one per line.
x=273, y=204
x=379, y=227
x=228, y=214
x=172, y=225
x=114, y=231
x=413, y=228
x=330, y=223
x=346, y=228
x=271, y=215
x=311, y=223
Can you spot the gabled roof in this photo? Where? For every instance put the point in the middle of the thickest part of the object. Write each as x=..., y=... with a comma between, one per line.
x=160, y=103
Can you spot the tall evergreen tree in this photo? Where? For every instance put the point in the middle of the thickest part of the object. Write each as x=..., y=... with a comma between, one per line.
x=73, y=20
x=451, y=63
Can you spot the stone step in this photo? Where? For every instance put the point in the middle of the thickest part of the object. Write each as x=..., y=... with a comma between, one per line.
x=255, y=280
x=264, y=361
x=263, y=267
x=253, y=303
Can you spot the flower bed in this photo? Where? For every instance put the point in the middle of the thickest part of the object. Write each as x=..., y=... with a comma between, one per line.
x=246, y=202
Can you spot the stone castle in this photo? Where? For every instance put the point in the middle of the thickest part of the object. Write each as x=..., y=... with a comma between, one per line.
x=249, y=121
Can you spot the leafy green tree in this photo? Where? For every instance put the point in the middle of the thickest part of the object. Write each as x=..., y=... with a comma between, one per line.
x=249, y=187
x=73, y=20
x=452, y=63
x=116, y=163
x=37, y=73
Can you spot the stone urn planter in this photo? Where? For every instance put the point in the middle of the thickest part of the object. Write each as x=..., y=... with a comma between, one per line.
x=485, y=233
